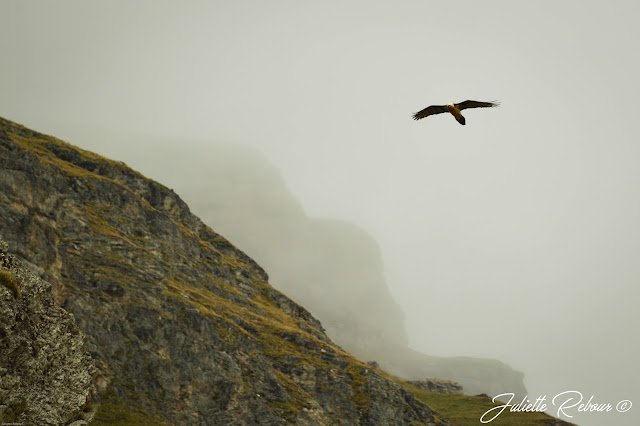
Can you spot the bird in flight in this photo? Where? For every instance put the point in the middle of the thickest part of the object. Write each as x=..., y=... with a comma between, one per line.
x=454, y=109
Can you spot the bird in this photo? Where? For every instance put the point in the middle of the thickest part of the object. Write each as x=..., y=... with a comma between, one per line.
x=454, y=109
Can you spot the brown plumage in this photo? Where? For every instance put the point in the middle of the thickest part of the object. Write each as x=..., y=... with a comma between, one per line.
x=454, y=109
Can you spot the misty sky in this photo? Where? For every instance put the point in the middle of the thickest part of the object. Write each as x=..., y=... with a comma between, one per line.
x=514, y=237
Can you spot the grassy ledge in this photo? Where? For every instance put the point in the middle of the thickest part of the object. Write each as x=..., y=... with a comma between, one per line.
x=465, y=410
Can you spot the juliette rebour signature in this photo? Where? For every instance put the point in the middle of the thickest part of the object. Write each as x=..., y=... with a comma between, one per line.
x=566, y=403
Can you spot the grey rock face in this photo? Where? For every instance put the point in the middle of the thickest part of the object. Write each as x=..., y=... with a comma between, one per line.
x=183, y=327
x=45, y=370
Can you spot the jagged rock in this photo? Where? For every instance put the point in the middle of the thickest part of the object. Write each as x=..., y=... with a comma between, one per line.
x=184, y=328
x=439, y=386
x=45, y=370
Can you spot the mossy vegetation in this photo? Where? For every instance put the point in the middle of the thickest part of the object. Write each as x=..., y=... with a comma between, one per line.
x=298, y=398
x=104, y=221
x=358, y=380
x=115, y=410
x=9, y=281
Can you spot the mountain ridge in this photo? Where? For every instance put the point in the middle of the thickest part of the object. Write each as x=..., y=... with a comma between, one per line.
x=183, y=327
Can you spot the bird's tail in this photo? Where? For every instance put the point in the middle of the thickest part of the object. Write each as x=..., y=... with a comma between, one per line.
x=461, y=120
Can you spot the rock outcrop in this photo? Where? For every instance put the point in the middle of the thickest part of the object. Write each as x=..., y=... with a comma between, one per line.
x=446, y=387
x=45, y=370
x=183, y=327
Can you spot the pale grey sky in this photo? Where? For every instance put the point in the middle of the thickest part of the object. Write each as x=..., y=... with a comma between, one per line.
x=515, y=237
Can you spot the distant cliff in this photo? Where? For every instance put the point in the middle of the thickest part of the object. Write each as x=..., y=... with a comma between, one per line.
x=45, y=370
x=183, y=327
x=333, y=268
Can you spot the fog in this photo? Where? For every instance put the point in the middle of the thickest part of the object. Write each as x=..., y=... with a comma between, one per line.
x=515, y=237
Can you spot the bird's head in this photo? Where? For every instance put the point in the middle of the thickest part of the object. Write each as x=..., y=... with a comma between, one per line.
x=450, y=107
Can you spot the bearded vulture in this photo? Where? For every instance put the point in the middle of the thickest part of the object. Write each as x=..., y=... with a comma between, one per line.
x=454, y=109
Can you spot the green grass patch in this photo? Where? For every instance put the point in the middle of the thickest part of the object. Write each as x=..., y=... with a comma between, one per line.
x=466, y=410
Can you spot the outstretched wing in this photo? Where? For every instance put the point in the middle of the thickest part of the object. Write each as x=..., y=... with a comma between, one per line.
x=476, y=104
x=430, y=110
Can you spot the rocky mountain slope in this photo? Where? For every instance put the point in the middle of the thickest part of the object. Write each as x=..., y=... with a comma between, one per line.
x=333, y=268
x=183, y=327
x=45, y=370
